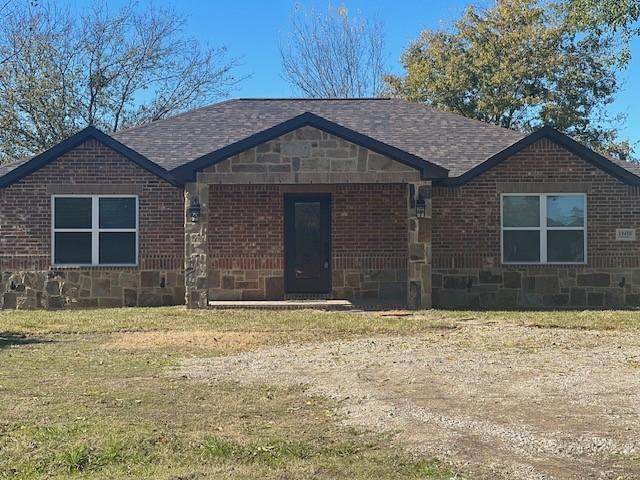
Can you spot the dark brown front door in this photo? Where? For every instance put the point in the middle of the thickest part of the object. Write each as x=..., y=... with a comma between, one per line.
x=307, y=243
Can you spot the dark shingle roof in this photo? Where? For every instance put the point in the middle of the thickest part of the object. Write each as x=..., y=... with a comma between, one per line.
x=632, y=167
x=452, y=141
x=7, y=167
x=449, y=140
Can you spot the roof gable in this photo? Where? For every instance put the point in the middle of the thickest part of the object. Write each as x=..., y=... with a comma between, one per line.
x=595, y=159
x=70, y=143
x=188, y=171
x=452, y=141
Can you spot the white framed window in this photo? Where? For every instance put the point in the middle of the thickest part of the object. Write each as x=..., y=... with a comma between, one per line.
x=94, y=230
x=544, y=228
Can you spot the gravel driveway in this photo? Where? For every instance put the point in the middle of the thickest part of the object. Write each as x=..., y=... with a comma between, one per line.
x=498, y=401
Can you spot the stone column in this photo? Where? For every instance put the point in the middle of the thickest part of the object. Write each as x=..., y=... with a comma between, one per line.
x=419, y=261
x=196, y=247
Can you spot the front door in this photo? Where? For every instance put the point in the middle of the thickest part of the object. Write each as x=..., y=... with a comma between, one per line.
x=307, y=243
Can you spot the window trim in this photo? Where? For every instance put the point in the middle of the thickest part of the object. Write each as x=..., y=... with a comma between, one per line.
x=95, y=231
x=543, y=228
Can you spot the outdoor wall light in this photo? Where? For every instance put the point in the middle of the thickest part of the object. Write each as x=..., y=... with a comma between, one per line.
x=421, y=207
x=194, y=210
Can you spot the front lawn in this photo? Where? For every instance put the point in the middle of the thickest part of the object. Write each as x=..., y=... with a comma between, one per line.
x=91, y=394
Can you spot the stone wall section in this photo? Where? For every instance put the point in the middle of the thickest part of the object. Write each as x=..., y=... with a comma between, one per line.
x=467, y=268
x=91, y=288
x=308, y=155
x=419, y=249
x=537, y=287
x=196, y=251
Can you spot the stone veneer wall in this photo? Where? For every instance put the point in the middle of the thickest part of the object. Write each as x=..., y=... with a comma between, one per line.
x=536, y=287
x=88, y=288
x=27, y=279
x=467, y=269
x=419, y=254
x=308, y=155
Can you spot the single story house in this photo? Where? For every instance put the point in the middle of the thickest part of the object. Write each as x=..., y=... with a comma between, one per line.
x=376, y=200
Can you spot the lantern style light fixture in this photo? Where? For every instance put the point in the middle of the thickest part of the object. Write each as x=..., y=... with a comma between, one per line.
x=421, y=207
x=194, y=210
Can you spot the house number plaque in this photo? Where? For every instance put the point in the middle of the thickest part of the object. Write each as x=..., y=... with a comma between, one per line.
x=626, y=234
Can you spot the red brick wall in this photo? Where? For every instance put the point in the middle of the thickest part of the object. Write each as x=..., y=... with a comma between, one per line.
x=25, y=207
x=370, y=219
x=369, y=234
x=466, y=238
x=245, y=220
x=466, y=219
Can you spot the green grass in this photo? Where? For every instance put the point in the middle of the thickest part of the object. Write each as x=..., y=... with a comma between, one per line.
x=85, y=394
x=74, y=404
x=177, y=318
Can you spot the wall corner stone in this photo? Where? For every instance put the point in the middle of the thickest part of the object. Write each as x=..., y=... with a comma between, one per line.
x=419, y=248
x=196, y=247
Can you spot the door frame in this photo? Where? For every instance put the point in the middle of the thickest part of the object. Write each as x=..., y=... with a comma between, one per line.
x=288, y=233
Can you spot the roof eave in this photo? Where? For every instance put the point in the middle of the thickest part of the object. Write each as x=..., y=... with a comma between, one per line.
x=70, y=143
x=563, y=140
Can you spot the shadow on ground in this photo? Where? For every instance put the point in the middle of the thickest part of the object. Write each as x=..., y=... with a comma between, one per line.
x=10, y=339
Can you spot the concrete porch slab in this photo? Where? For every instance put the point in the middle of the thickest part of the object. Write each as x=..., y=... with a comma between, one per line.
x=282, y=304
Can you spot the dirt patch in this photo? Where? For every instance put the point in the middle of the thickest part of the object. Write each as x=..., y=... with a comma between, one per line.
x=200, y=340
x=500, y=401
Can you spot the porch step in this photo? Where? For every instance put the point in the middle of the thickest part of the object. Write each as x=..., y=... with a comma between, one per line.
x=308, y=296
x=282, y=304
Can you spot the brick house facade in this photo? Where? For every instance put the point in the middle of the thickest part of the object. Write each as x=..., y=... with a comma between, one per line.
x=468, y=270
x=369, y=200
x=369, y=221
x=28, y=279
x=246, y=259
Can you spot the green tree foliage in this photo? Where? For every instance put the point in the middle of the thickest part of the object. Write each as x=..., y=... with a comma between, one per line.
x=620, y=17
x=108, y=68
x=519, y=64
x=602, y=14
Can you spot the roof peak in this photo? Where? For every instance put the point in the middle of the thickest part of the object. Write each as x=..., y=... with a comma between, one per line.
x=447, y=139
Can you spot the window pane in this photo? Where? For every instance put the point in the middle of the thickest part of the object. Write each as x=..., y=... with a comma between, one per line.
x=521, y=245
x=308, y=240
x=72, y=212
x=521, y=211
x=565, y=245
x=565, y=211
x=72, y=248
x=118, y=247
x=117, y=213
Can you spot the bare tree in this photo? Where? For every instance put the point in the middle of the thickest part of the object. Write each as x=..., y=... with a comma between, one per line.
x=6, y=52
x=332, y=54
x=111, y=69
